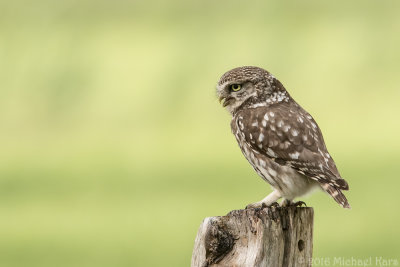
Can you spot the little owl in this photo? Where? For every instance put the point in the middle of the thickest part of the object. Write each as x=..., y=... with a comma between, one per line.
x=279, y=138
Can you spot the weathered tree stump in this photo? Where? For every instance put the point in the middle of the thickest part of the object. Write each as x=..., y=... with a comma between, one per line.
x=272, y=236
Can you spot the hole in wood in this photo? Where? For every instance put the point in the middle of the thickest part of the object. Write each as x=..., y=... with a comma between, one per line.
x=300, y=244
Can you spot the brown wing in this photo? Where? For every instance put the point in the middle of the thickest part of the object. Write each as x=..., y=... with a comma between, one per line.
x=289, y=135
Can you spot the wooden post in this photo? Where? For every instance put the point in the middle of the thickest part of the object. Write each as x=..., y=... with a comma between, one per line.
x=272, y=236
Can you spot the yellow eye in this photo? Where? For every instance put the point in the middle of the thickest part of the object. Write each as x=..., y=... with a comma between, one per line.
x=236, y=87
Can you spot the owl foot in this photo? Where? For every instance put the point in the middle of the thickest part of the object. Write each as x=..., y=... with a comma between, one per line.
x=299, y=204
x=287, y=203
x=261, y=205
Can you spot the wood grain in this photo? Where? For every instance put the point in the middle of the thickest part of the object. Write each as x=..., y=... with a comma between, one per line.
x=272, y=236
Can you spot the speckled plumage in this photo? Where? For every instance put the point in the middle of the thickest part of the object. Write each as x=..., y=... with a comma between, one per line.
x=279, y=138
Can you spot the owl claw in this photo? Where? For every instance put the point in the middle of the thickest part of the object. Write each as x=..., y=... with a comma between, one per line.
x=299, y=204
x=274, y=204
x=288, y=203
x=261, y=205
x=250, y=206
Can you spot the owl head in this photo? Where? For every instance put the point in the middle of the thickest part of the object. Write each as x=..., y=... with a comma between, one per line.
x=248, y=87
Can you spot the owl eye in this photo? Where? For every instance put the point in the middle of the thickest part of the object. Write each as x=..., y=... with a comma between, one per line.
x=236, y=87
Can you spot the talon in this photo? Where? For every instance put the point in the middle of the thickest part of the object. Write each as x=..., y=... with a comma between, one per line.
x=251, y=206
x=299, y=204
x=286, y=203
x=257, y=205
x=261, y=206
x=274, y=204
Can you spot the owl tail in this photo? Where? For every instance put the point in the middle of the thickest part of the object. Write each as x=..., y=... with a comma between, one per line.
x=337, y=195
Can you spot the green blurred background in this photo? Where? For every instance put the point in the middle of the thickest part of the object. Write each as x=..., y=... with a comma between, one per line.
x=114, y=147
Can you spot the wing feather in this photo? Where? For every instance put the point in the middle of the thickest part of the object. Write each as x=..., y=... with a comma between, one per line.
x=287, y=134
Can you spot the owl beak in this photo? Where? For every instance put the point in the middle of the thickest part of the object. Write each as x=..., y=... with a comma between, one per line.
x=225, y=100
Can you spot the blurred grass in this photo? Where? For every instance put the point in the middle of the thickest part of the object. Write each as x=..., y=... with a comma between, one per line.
x=113, y=147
